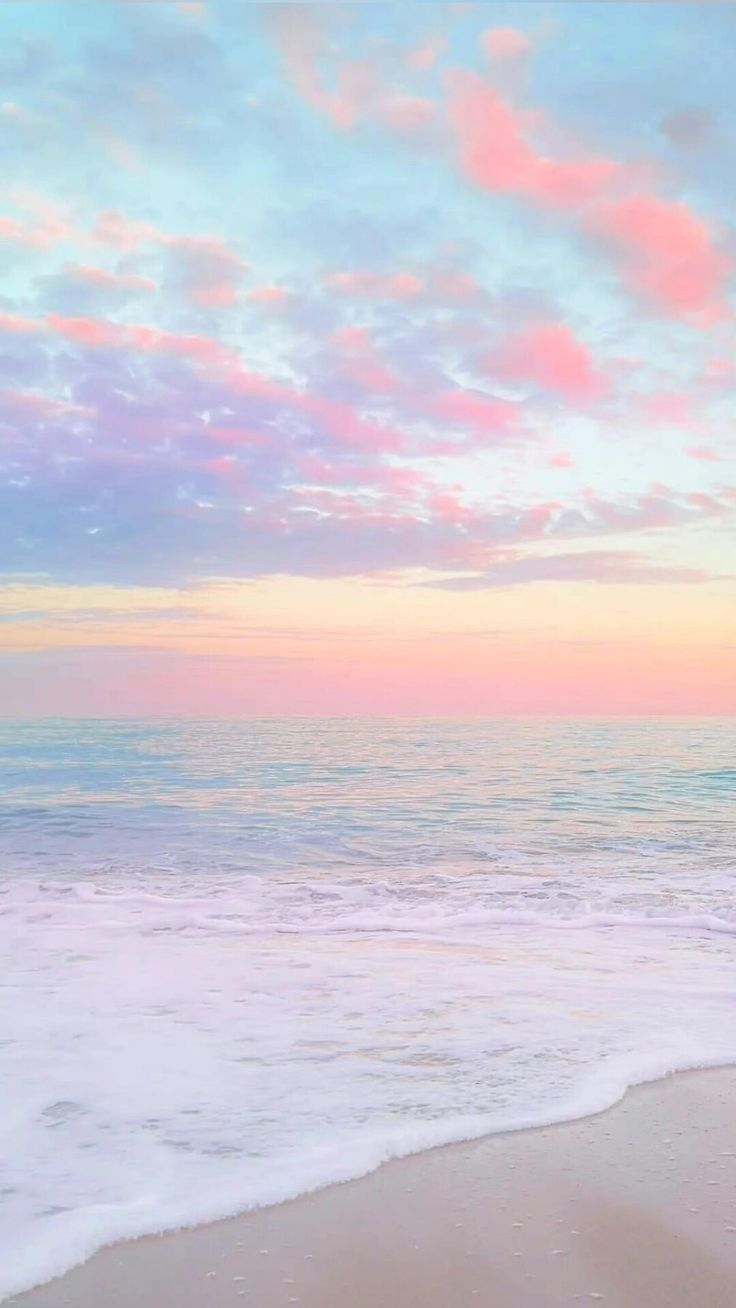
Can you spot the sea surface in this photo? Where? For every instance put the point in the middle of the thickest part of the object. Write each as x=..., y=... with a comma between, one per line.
x=241, y=960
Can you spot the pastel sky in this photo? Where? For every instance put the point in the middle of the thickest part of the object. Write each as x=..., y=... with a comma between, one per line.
x=367, y=358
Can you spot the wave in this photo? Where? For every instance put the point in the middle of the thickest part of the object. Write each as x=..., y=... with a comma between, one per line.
x=87, y=1231
x=253, y=906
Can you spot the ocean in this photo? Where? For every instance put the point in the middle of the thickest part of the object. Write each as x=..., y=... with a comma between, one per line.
x=242, y=960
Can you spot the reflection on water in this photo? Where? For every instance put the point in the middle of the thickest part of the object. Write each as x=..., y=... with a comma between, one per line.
x=352, y=795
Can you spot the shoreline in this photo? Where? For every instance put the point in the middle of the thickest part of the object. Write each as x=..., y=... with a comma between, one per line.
x=633, y=1207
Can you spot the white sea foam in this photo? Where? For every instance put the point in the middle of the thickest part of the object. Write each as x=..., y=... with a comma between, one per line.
x=177, y=1054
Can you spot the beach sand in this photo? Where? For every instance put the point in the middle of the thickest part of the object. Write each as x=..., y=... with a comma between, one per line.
x=634, y=1208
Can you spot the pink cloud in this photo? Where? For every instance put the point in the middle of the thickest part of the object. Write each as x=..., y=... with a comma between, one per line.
x=219, y=296
x=352, y=90
x=339, y=421
x=445, y=506
x=96, y=332
x=668, y=254
x=201, y=349
x=20, y=233
x=648, y=512
x=668, y=408
x=104, y=277
x=442, y=284
x=371, y=375
x=228, y=469
x=617, y=567
x=387, y=478
x=708, y=504
x=208, y=271
x=400, y=286
x=549, y=354
x=425, y=56
x=360, y=361
x=13, y=322
x=254, y=383
x=48, y=224
x=450, y=285
x=205, y=268
x=347, y=427
x=300, y=38
x=115, y=228
x=561, y=460
x=338, y=504
x=101, y=333
x=475, y=409
x=406, y=113
x=704, y=453
x=718, y=371
x=43, y=405
x=353, y=339
x=505, y=43
x=276, y=296
x=494, y=152
x=403, y=286
x=665, y=253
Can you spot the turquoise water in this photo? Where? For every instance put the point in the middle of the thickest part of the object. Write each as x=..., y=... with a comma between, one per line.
x=247, y=959
x=280, y=794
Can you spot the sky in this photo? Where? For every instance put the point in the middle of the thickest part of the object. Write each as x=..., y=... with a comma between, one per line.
x=364, y=358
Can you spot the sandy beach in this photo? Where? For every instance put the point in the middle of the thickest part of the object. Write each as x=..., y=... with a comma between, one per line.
x=634, y=1208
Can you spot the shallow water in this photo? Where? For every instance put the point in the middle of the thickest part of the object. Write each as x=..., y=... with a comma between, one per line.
x=246, y=959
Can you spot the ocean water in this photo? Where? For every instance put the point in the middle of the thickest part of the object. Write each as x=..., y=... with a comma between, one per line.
x=244, y=960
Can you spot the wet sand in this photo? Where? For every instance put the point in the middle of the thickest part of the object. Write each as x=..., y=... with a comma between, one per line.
x=634, y=1208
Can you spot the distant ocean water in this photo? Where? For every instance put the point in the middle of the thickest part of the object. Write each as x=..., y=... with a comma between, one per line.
x=244, y=959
